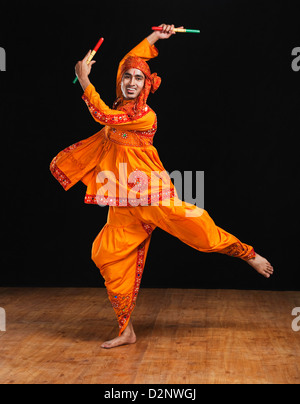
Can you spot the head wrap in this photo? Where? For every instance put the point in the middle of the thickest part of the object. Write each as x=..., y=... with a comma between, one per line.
x=152, y=83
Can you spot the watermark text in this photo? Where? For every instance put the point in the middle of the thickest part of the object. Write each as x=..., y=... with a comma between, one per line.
x=296, y=61
x=2, y=60
x=150, y=188
x=296, y=321
x=2, y=320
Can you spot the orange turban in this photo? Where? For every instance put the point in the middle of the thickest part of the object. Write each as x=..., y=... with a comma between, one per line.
x=152, y=83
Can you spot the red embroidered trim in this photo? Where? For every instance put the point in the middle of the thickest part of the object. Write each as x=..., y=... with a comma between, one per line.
x=123, y=202
x=148, y=229
x=251, y=255
x=113, y=119
x=133, y=138
x=237, y=250
x=72, y=147
x=125, y=304
x=139, y=272
x=120, y=304
x=59, y=175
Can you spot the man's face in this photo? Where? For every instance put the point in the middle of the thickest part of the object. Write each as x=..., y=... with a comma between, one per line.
x=133, y=82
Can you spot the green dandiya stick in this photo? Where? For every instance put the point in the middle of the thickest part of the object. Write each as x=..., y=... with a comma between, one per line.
x=181, y=30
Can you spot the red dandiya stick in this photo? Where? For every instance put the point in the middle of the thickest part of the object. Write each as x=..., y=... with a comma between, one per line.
x=93, y=53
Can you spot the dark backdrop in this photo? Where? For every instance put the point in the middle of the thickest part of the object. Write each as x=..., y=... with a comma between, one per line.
x=228, y=105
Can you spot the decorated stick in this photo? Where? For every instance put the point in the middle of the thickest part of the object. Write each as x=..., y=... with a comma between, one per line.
x=93, y=53
x=181, y=30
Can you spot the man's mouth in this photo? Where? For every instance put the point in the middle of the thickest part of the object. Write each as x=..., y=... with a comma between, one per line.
x=131, y=90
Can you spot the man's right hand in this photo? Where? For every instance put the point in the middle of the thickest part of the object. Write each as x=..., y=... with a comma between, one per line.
x=83, y=71
x=166, y=33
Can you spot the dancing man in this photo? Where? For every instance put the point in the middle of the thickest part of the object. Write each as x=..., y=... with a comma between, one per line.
x=118, y=165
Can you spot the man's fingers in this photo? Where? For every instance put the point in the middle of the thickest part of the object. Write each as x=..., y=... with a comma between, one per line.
x=87, y=56
x=165, y=28
x=168, y=29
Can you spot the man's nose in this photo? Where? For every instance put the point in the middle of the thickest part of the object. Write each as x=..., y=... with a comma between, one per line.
x=132, y=81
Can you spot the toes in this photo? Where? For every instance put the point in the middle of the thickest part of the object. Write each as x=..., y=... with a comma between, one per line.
x=268, y=272
x=269, y=268
x=107, y=345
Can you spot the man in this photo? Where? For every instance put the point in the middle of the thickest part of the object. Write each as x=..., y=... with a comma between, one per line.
x=117, y=165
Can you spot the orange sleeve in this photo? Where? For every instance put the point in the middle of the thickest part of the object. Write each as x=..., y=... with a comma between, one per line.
x=111, y=117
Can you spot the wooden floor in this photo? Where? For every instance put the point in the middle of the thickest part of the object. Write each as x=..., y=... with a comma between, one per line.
x=184, y=336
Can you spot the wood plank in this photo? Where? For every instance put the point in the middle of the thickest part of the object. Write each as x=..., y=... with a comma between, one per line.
x=184, y=336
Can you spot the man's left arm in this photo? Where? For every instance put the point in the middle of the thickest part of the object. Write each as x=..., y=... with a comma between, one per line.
x=114, y=118
x=147, y=50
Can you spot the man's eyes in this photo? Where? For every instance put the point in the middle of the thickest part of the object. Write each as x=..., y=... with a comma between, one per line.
x=136, y=77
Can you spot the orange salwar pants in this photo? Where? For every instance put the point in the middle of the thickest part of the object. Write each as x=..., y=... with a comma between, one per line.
x=121, y=248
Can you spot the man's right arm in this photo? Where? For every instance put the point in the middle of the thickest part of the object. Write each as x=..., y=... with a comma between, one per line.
x=83, y=71
x=166, y=33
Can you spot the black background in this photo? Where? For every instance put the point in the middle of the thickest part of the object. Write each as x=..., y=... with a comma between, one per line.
x=228, y=106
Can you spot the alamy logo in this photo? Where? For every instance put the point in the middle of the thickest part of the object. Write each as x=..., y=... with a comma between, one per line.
x=2, y=320
x=2, y=60
x=296, y=321
x=296, y=61
x=141, y=188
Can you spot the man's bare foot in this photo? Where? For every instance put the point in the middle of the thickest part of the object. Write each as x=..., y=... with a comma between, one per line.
x=128, y=337
x=261, y=265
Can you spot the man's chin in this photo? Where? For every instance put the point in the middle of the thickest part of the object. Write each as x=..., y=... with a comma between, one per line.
x=128, y=96
x=131, y=97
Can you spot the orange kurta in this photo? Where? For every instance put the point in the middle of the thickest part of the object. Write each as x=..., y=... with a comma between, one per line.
x=121, y=168
x=119, y=165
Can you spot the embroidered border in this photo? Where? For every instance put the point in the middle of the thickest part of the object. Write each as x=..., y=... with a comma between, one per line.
x=123, y=202
x=59, y=175
x=249, y=256
x=133, y=138
x=125, y=304
x=148, y=229
x=237, y=250
x=120, y=304
x=113, y=119
x=72, y=147
x=57, y=172
x=140, y=265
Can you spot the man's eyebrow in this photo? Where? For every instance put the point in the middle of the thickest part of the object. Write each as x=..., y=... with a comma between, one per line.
x=137, y=75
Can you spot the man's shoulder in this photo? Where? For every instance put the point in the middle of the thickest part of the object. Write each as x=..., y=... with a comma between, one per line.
x=150, y=110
